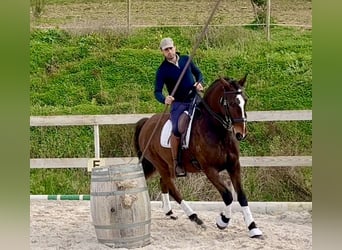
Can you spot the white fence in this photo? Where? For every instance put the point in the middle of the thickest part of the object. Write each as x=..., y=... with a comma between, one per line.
x=98, y=120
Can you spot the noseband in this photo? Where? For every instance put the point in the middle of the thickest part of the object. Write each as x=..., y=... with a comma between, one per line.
x=226, y=107
x=227, y=122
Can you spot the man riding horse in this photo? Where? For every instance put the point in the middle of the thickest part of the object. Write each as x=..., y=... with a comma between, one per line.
x=168, y=74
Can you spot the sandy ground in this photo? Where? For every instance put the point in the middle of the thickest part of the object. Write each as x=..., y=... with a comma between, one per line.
x=68, y=225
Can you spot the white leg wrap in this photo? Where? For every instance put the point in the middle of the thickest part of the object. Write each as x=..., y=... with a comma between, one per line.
x=255, y=232
x=248, y=220
x=227, y=212
x=187, y=210
x=247, y=215
x=220, y=222
x=166, y=203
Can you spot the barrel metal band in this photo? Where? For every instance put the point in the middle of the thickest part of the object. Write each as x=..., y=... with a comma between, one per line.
x=118, y=178
x=119, y=192
x=116, y=170
x=125, y=240
x=123, y=226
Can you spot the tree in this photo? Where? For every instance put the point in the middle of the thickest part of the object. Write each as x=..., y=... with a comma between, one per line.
x=37, y=7
x=260, y=10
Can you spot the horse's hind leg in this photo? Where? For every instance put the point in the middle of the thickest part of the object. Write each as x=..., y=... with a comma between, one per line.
x=169, y=186
x=148, y=168
x=254, y=231
x=166, y=201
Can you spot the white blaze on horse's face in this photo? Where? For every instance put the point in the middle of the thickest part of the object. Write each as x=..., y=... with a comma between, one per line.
x=242, y=105
x=241, y=102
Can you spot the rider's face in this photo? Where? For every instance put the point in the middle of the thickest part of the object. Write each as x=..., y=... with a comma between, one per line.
x=169, y=52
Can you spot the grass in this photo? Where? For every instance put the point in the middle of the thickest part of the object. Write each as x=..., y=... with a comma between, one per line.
x=108, y=73
x=96, y=70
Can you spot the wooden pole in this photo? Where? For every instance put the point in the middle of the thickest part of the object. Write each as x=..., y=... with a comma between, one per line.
x=268, y=20
x=97, y=141
x=128, y=16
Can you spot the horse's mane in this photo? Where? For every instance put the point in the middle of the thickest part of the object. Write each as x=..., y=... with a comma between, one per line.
x=229, y=80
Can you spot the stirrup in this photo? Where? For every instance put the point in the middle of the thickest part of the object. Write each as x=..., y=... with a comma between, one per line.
x=180, y=172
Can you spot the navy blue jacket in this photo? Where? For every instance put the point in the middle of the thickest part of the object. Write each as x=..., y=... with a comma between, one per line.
x=168, y=74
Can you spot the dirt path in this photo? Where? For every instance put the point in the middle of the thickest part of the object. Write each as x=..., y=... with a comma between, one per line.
x=67, y=225
x=104, y=14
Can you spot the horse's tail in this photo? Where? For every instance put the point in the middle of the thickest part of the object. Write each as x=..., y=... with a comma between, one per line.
x=148, y=168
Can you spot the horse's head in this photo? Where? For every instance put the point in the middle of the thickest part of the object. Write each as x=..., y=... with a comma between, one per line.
x=227, y=101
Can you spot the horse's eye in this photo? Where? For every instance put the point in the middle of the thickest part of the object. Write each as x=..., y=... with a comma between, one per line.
x=234, y=102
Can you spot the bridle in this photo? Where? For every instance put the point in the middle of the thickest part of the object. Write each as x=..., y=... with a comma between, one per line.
x=227, y=121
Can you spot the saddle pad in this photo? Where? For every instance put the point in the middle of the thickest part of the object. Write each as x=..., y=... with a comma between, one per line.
x=166, y=134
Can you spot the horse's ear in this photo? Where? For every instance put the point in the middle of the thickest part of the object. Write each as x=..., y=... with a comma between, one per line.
x=223, y=80
x=242, y=81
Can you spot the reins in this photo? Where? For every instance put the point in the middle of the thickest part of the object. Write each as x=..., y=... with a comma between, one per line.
x=227, y=121
x=182, y=74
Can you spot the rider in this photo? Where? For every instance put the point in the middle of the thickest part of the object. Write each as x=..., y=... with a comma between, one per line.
x=168, y=73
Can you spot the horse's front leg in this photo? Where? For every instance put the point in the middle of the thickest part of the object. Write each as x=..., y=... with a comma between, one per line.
x=223, y=219
x=254, y=231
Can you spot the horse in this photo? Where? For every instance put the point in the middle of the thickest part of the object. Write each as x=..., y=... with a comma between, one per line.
x=219, y=124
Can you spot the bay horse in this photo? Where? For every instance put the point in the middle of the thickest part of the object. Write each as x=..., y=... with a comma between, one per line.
x=219, y=123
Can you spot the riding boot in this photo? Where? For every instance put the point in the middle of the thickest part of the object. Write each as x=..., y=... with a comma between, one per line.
x=175, y=141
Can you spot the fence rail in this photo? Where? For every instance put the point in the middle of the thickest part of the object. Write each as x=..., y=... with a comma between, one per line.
x=252, y=161
x=81, y=120
x=119, y=119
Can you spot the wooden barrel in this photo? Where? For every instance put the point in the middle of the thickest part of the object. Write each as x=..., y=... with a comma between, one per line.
x=120, y=206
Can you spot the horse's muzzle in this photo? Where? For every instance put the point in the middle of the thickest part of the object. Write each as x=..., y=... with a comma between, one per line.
x=240, y=137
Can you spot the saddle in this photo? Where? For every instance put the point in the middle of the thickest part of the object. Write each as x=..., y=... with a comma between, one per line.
x=184, y=127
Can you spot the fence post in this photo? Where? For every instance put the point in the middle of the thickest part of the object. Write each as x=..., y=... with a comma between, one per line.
x=128, y=16
x=268, y=20
x=97, y=141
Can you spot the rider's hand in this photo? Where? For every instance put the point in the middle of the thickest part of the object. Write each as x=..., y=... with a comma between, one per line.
x=169, y=99
x=198, y=86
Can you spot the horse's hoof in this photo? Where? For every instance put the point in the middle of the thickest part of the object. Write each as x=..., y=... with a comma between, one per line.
x=260, y=237
x=219, y=227
x=195, y=218
x=222, y=221
x=255, y=233
x=171, y=215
